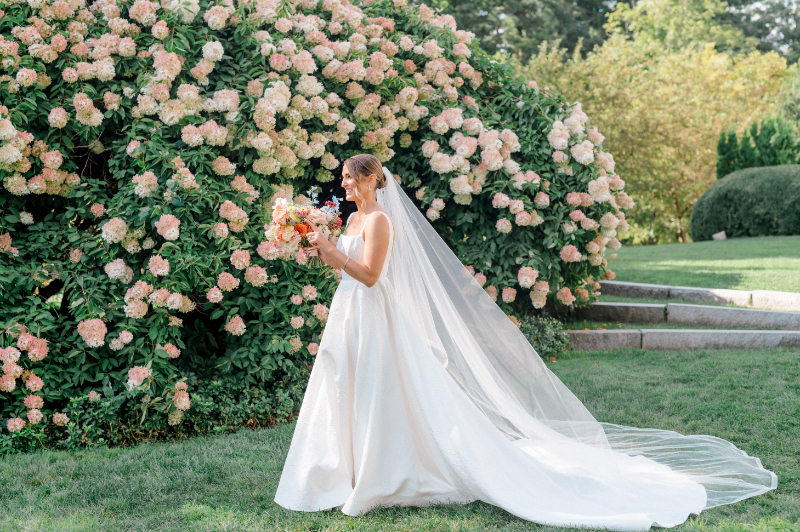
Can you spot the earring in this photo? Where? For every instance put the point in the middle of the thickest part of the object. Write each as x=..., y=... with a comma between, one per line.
x=369, y=187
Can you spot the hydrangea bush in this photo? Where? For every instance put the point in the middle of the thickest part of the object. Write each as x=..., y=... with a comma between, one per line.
x=143, y=146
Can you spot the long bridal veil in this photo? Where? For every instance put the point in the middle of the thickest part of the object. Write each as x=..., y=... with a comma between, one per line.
x=499, y=370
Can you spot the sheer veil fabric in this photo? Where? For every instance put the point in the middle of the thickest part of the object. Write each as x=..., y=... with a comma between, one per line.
x=424, y=392
x=498, y=369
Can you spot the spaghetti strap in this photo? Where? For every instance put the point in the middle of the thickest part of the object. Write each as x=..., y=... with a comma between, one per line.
x=365, y=224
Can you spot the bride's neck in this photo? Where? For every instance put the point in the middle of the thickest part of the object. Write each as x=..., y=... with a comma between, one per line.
x=372, y=206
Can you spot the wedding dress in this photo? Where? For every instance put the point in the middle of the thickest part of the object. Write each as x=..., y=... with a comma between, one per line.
x=424, y=392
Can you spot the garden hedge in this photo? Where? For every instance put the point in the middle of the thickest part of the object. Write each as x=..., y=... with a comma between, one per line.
x=143, y=146
x=751, y=202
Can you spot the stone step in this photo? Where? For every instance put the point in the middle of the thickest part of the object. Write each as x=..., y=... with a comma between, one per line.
x=639, y=290
x=669, y=339
x=761, y=299
x=623, y=312
x=680, y=313
x=717, y=339
x=732, y=317
x=605, y=340
x=770, y=299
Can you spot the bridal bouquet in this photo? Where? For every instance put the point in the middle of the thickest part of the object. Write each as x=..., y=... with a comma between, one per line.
x=291, y=222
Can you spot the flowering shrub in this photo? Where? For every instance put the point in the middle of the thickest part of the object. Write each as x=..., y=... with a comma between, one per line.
x=143, y=147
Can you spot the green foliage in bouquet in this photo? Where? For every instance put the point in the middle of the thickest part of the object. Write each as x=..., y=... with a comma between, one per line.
x=143, y=147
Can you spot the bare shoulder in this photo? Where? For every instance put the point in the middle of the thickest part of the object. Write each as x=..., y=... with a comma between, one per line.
x=378, y=225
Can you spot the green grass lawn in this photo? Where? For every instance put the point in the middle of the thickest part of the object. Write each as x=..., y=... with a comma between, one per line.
x=749, y=397
x=757, y=263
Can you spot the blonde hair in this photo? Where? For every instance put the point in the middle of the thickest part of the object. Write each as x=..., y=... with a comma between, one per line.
x=362, y=166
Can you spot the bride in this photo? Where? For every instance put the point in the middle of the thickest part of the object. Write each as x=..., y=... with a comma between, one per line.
x=424, y=392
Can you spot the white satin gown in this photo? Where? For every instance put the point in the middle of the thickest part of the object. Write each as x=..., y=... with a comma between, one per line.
x=382, y=423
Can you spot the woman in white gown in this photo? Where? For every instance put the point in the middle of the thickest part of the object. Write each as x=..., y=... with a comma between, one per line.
x=424, y=392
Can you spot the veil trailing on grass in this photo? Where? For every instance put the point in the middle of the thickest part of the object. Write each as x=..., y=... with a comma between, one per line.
x=495, y=365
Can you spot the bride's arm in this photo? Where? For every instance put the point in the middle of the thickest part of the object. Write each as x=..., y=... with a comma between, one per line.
x=376, y=245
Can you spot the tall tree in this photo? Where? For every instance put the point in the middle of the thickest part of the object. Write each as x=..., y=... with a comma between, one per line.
x=519, y=26
x=727, y=153
x=774, y=23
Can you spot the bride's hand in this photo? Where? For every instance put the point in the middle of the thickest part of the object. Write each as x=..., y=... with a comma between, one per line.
x=321, y=244
x=317, y=239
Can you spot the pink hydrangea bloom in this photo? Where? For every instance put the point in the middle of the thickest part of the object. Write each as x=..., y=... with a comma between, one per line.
x=235, y=326
x=168, y=227
x=527, y=276
x=297, y=322
x=321, y=312
x=570, y=253
x=181, y=400
x=15, y=424
x=60, y=419
x=227, y=282
x=313, y=348
x=509, y=294
x=240, y=259
x=137, y=375
x=33, y=401
x=172, y=350
x=309, y=292
x=93, y=332
x=504, y=225
x=565, y=296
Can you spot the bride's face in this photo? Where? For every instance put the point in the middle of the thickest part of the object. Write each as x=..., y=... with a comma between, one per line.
x=350, y=185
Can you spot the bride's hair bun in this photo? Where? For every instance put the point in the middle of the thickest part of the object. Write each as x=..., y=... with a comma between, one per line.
x=364, y=165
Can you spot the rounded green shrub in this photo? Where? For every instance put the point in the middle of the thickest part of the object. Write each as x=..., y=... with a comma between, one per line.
x=751, y=202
